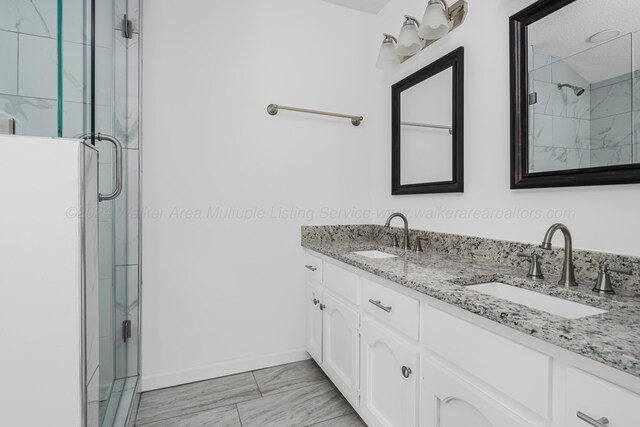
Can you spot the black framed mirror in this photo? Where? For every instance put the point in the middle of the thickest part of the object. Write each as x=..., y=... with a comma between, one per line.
x=575, y=94
x=428, y=129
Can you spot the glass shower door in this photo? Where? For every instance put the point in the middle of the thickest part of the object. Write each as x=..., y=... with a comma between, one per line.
x=115, y=112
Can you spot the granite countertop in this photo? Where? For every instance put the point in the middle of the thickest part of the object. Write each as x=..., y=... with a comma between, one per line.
x=612, y=338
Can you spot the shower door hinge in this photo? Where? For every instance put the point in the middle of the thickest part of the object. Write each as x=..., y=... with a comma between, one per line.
x=126, y=330
x=127, y=27
x=533, y=98
x=7, y=126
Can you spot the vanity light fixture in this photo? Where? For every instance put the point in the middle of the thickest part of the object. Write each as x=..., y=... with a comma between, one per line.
x=409, y=43
x=388, y=58
x=439, y=20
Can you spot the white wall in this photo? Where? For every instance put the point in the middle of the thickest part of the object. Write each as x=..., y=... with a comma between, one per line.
x=221, y=295
x=606, y=217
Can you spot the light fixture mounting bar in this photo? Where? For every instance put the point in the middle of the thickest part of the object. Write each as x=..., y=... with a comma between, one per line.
x=458, y=12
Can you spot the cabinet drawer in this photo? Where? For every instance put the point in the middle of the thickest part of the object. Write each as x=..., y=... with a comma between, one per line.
x=342, y=282
x=512, y=369
x=313, y=265
x=596, y=398
x=392, y=308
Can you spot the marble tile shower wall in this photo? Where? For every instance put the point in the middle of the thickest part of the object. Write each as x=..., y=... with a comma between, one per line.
x=614, y=111
x=29, y=68
x=561, y=128
x=601, y=127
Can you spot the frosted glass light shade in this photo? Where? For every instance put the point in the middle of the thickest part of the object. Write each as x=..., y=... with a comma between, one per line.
x=435, y=22
x=408, y=41
x=387, y=58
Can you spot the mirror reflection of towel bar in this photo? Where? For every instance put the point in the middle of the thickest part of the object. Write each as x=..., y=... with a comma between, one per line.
x=424, y=125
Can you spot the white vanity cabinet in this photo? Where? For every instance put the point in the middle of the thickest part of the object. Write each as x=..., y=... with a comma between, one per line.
x=389, y=380
x=404, y=359
x=448, y=401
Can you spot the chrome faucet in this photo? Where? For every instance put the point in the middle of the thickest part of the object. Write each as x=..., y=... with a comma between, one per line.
x=568, y=276
x=406, y=227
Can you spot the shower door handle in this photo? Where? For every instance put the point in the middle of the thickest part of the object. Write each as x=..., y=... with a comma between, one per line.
x=118, y=145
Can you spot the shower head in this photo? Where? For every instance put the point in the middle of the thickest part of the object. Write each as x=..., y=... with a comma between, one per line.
x=576, y=89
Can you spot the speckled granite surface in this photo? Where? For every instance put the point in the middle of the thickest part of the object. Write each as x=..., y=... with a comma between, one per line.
x=493, y=251
x=612, y=338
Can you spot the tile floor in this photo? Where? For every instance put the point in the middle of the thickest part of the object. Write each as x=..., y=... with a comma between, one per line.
x=297, y=394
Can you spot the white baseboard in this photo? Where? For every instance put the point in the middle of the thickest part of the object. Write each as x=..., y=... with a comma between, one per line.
x=221, y=369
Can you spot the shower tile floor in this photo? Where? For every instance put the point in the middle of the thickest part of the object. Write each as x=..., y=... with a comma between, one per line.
x=297, y=394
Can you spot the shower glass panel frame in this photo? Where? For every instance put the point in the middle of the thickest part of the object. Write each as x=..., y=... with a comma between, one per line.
x=115, y=111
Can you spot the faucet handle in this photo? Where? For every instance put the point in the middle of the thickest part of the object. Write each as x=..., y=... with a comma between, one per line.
x=603, y=283
x=394, y=240
x=535, y=270
x=419, y=241
x=626, y=272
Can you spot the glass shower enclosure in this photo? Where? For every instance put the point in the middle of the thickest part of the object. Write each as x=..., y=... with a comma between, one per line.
x=70, y=68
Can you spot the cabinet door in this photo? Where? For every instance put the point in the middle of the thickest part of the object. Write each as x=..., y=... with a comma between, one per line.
x=314, y=322
x=341, y=345
x=389, y=386
x=449, y=401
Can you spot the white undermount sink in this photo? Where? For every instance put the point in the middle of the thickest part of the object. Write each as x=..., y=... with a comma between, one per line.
x=538, y=301
x=375, y=254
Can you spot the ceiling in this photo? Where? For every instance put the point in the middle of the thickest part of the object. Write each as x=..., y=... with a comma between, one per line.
x=367, y=6
x=565, y=34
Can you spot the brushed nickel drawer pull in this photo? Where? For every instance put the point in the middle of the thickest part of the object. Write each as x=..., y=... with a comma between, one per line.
x=602, y=422
x=380, y=306
x=311, y=267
